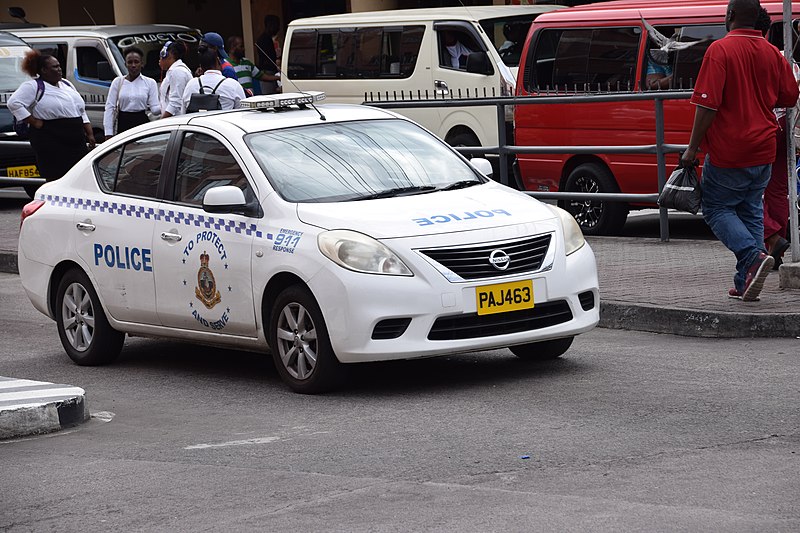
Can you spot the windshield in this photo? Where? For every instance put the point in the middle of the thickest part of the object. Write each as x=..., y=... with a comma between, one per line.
x=151, y=44
x=357, y=160
x=11, y=75
x=508, y=36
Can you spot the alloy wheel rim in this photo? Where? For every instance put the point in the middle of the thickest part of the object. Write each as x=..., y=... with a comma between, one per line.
x=77, y=317
x=587, y=212
x=297, y=341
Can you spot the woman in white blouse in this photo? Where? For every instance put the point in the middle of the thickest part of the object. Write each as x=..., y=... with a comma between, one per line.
x=130, y=97
x=56, y=114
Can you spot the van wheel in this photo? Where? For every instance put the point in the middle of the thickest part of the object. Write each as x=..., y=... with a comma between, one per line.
x=301, y=348
x=464, y=139
x=595, y=217
x=83, y=328
x=542, y=351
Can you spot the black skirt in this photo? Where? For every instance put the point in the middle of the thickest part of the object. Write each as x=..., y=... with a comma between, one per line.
x=130, y=119
x=58, y=144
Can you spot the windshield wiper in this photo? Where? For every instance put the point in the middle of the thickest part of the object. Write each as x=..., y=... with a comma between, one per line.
x=398, y=191
x=460, y=185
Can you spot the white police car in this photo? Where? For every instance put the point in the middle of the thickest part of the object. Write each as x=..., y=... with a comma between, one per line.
x=337, y=235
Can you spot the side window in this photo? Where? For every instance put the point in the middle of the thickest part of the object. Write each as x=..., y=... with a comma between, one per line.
x=688, y=60
x=106, y=169
x=369, y=53
x=454, y=48
x=87, y=58
x=140, y=166
x=57, y=50
x=602, y=59
x=205, y=163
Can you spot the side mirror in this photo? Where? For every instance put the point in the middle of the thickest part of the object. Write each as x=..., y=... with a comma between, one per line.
x=224, y=199
x=104, y=71
x=17, y=13
x=484, y=166
x=478, y=63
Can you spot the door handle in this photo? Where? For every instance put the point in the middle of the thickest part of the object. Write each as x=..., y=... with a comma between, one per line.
x=440, y=86
x=85, y=226
x=172, y=237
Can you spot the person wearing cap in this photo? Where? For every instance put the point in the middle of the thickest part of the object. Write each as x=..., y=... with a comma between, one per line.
x=214, y=42
x=178, y=75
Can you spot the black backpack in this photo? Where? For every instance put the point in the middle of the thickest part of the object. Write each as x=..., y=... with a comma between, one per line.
x=203, y=101
x=22, y=129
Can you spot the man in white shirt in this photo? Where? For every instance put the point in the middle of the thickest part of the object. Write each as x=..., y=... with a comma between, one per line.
x=458, y=52
x=178, y=75
x=213, y=82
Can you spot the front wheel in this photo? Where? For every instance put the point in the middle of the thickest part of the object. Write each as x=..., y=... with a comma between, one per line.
x=83, y=328
x=595, y=217
x=301, y=347
x=542, y=351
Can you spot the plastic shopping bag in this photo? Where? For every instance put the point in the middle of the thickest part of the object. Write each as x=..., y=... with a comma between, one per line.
x=682, y=191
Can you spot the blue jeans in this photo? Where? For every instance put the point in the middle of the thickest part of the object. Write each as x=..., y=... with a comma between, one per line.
x=733, y=209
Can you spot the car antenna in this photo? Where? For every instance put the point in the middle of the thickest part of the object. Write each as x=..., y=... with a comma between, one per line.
x=278, y=69
x=90, y=16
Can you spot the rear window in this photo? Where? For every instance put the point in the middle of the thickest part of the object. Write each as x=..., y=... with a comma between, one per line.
x=151, y=44
x=354, y=53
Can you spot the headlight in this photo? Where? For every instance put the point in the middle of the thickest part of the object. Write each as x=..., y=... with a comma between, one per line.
x=573, y=236
x=359, y=252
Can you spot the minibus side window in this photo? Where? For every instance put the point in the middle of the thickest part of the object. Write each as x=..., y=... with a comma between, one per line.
x=601, y=59
x=368, y=53
x=326, y=53
x=688, y=60
x=303, y=54
x=87, y=58
x=57, y=50
x=408, y=46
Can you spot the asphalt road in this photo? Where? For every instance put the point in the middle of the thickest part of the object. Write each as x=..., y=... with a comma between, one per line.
x=629, y=432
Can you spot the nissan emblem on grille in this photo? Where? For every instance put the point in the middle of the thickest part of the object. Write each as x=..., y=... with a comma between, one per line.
x=499, y=259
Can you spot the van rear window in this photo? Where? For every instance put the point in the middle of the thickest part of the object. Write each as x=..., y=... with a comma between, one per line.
x=354, y=53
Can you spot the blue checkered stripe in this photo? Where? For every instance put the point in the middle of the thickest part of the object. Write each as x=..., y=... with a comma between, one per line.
x=170, y=215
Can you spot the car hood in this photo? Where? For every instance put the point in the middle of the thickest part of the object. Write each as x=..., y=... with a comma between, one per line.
x=479, y=207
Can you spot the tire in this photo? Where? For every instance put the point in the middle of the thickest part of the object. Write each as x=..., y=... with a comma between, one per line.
x=30, y=190
x=83, y=328
x=594, y=217
x=300, y=345
x=542, y=351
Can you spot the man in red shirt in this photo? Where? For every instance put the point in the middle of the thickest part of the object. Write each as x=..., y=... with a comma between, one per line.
x=741, y=80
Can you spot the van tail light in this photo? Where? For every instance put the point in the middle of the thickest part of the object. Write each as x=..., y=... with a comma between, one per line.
x=29, y=209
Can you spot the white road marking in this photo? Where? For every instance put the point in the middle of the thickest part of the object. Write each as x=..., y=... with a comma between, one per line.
x=247, y=442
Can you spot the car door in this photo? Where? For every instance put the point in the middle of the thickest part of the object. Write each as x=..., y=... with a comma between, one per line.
x=115, y=227
x=203, y=259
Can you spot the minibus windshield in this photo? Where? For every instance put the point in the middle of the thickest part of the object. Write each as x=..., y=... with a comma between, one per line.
x=508, y=36
x=151, y=44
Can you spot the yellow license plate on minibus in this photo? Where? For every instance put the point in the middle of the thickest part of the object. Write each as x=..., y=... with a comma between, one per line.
x=29, y=171
x=504, y=297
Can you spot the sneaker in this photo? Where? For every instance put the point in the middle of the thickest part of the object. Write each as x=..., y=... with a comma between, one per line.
x=736, y=295
x=756, y=275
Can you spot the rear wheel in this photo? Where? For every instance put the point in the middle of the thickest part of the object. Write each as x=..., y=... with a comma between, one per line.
x=542, y=351
x=301, y=347
x=595, y=217
x=83, y=328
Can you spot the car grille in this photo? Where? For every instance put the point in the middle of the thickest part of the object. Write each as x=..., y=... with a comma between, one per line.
x=472, y=326
x=472, y=262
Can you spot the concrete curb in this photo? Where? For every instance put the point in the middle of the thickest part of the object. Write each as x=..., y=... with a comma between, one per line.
x=36, y=407
x=8, y=262
x=695, y=323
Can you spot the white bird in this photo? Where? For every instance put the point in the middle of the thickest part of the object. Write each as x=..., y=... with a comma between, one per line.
x=667, y=44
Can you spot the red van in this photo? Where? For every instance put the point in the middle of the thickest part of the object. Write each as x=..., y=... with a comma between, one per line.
x=607, y=48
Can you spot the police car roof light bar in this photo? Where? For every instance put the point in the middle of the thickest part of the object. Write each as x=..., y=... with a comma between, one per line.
x=283, y=101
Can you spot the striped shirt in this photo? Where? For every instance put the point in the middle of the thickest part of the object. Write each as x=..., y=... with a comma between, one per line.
x=246, y=71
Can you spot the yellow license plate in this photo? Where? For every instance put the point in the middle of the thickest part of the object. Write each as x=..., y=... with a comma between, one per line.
x=29, y=171
x=503, y=297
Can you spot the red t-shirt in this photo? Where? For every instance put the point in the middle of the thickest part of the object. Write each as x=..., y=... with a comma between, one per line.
x=743, y=77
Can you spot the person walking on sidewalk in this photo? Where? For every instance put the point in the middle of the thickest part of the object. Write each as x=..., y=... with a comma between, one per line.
x=741, y=80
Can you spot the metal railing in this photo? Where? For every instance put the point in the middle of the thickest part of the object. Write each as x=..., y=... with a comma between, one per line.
x=660, y=148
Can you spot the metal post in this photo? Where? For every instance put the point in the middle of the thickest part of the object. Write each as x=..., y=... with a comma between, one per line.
x=663, y=217
x=790, y=148
x=502, y=142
